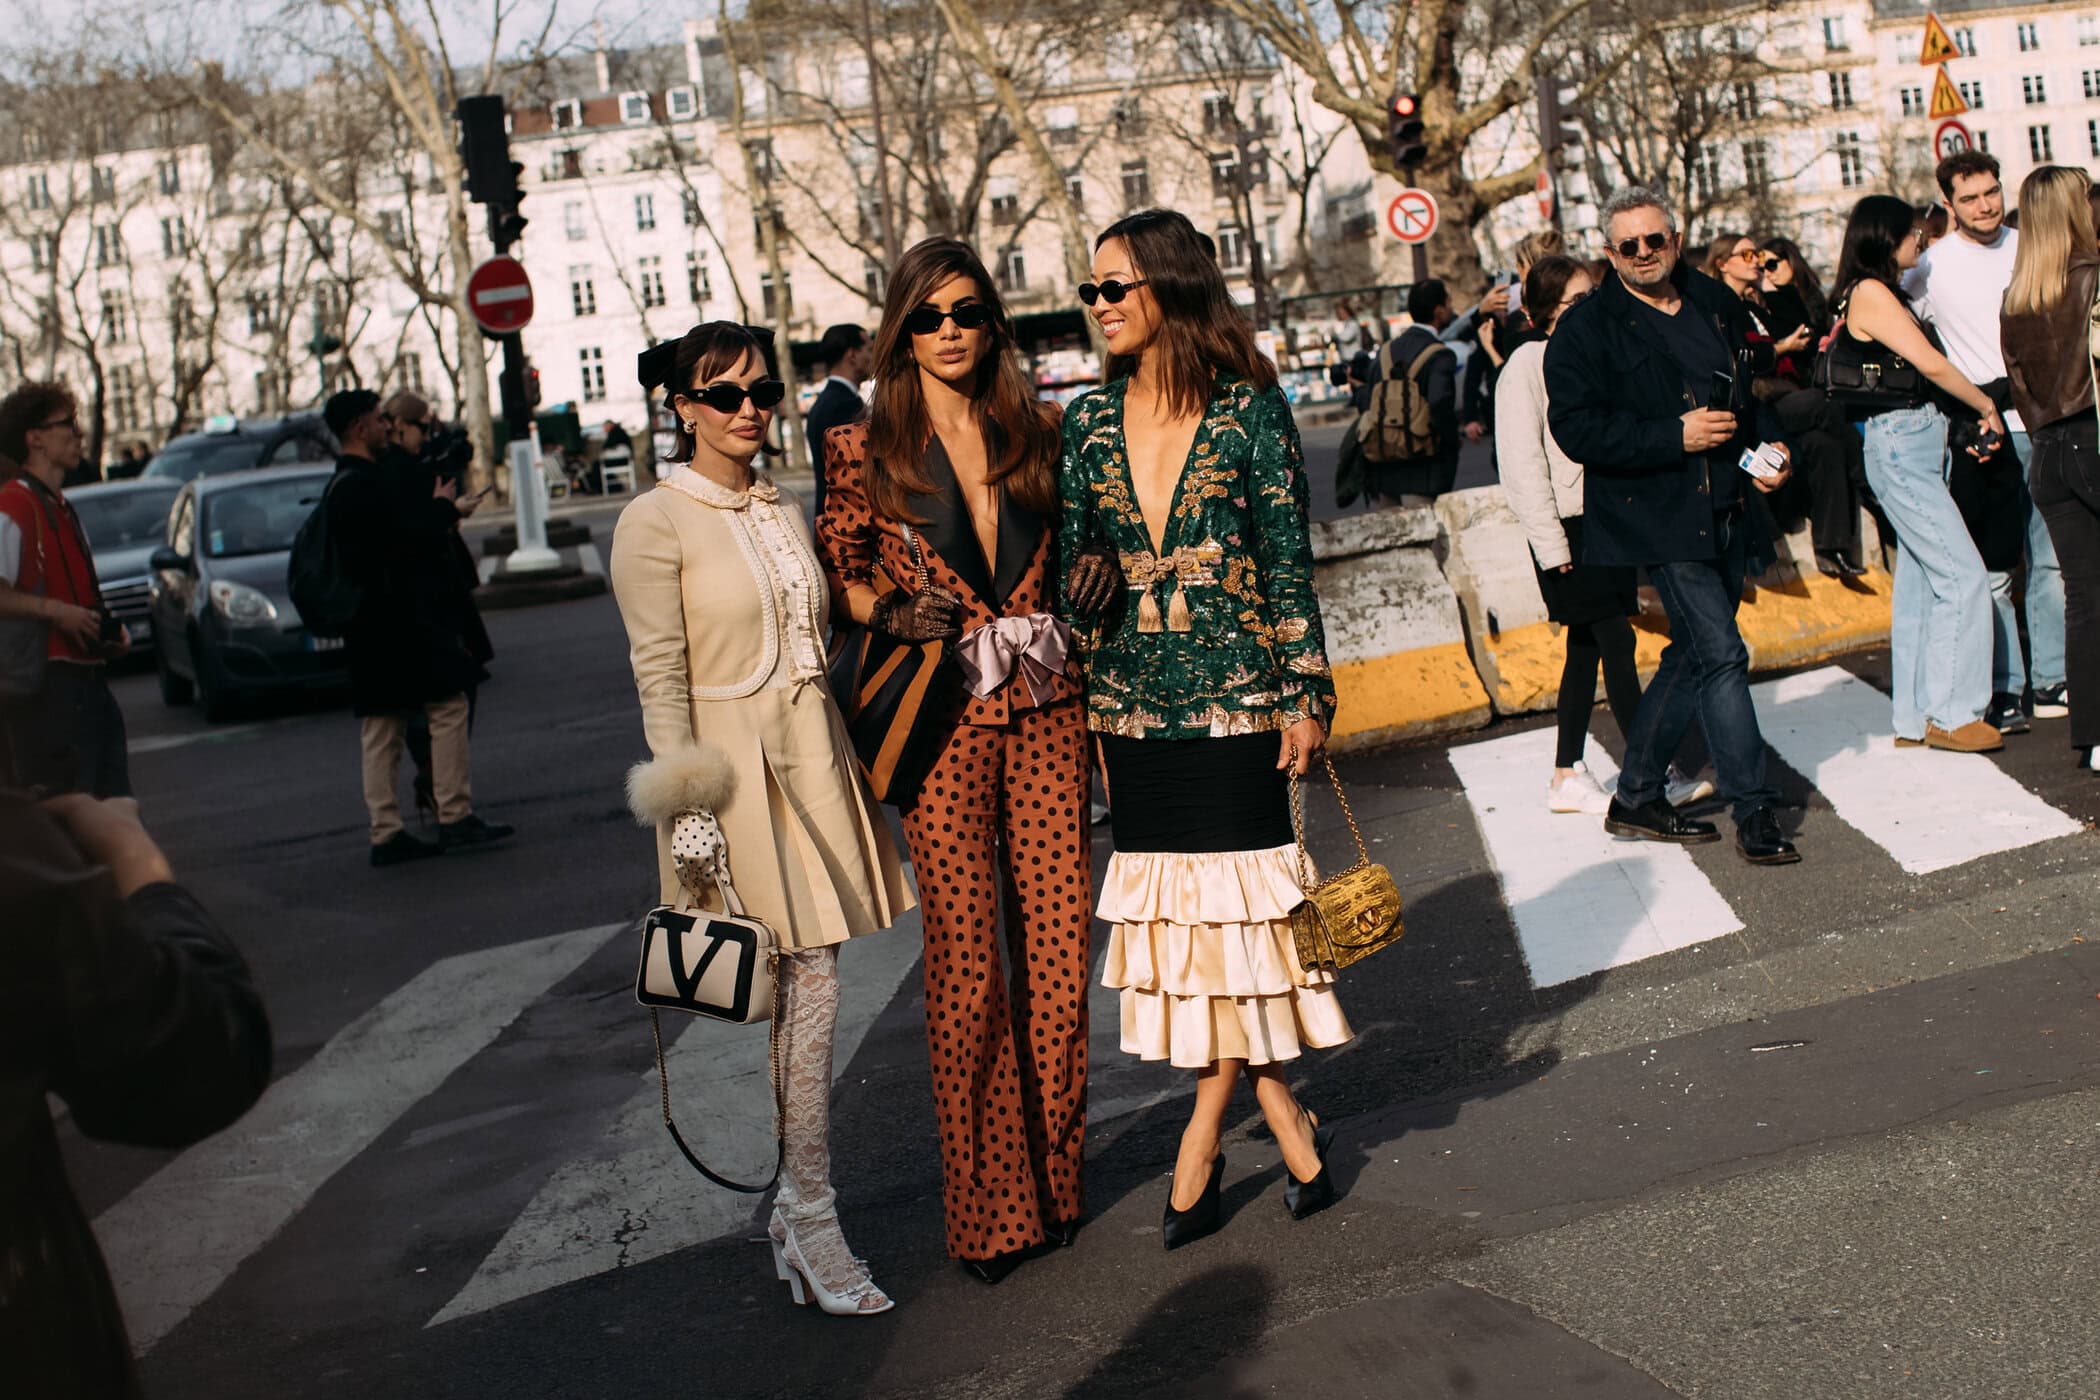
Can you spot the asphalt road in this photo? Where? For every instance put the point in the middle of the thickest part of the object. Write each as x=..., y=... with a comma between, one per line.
x=1844, y=1150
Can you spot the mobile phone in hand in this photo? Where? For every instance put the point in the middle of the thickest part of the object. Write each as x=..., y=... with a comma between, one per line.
x=1721, y=393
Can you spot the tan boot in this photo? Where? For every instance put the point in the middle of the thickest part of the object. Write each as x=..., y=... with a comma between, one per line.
x=1973, y=737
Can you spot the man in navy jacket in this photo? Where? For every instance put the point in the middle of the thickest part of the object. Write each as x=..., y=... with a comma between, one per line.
x=1632, y=378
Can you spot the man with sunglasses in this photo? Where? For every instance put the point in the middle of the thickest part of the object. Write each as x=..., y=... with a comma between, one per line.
x=1640, y=387
x=845, y=350
x=60, y=728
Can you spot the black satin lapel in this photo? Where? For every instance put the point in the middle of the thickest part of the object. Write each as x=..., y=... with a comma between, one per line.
x=948, y=531
x=1020, y=529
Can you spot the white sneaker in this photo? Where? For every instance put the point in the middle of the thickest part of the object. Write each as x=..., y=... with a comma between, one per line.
x=1578, y=792
x=1680, y=791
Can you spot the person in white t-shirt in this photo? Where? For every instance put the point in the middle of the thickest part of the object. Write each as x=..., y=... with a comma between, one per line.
x=1959, y=287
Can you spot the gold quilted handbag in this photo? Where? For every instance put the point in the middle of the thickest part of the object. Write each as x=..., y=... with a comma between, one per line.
x=1348, y=916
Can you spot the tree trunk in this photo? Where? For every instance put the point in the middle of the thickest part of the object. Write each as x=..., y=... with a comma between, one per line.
x=474, y=408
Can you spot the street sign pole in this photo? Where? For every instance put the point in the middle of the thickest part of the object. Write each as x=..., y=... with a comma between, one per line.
x=528, y=484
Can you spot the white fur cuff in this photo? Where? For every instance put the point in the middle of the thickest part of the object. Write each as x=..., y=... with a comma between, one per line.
x=696, y=779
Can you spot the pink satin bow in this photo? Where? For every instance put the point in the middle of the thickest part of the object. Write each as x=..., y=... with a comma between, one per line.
x=1038, y=643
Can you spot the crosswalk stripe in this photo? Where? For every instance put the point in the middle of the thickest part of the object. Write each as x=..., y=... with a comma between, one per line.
x=175, y=1239
x=1929, y=810
x=1582, y=900
x=635, y=1199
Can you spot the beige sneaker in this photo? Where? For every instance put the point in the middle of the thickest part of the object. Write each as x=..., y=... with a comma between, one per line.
x=1973, y=737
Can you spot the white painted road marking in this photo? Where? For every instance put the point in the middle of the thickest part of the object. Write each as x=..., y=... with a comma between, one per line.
x=635, y=1198
x=172, y=1242
x=1581, y=899
x=1928, y=809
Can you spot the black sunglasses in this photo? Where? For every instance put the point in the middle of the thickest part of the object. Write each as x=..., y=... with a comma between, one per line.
x=728, y=398
x=1631, y=247
x=1774, y=264
x=1110, y=291
x=925, y=320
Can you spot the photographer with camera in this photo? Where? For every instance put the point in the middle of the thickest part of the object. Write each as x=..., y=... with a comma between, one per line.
x=60, y=728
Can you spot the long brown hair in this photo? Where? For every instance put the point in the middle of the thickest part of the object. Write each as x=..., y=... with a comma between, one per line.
x=1020, y=431
x=1201, y=330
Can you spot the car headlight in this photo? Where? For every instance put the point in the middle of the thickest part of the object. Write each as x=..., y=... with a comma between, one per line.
x=241, y=605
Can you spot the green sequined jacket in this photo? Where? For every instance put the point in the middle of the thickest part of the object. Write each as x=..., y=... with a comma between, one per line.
x=1222, y=633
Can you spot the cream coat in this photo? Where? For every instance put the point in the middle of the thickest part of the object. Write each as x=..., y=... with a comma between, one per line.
x=809, y=852
x=1543, y=483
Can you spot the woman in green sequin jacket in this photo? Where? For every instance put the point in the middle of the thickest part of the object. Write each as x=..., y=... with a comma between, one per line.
x=1206, y=693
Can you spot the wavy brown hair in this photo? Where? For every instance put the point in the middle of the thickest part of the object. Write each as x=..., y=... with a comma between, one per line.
x=1020, y=431
x=1202, y=331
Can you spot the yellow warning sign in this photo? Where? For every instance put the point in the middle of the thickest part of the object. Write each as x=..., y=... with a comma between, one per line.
x=1946, y=98
x=1938, y=46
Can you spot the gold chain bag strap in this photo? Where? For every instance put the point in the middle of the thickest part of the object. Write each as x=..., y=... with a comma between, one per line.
x=1346, y=917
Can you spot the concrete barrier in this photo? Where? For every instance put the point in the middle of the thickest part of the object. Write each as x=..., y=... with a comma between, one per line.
x=1394, y=634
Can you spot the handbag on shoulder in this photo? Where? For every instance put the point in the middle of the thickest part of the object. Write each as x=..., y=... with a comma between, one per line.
x=1346, y=917
x=897, y=697
x=1866, y=376
x=705, y=963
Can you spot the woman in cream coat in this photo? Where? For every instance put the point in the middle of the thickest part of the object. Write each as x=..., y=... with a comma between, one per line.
x=725, y=607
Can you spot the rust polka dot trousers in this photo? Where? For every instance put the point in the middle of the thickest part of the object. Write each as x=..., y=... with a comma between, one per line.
x=1002, y=818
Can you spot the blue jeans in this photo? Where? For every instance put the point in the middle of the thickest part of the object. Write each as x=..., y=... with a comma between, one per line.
x=1940, y=623
x=1705, y=670
x=2010, y=671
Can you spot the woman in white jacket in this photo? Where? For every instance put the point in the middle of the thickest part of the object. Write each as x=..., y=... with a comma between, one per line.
x=1593, y=603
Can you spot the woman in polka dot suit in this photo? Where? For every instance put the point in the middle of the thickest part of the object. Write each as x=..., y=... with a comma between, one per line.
x=957, y=448
x=1206, y=692
x=725, y=607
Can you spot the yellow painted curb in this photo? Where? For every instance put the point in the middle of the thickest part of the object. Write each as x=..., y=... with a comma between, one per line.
x=1813, y=618
x=1431, y=690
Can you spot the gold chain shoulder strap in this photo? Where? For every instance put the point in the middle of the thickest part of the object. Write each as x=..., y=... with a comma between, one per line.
x=1363, y=852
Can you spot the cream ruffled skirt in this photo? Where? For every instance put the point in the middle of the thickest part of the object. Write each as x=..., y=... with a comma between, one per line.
x=1201, y=951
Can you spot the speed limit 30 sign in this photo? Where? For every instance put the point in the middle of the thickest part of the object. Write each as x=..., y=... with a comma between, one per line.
x=1951, y=138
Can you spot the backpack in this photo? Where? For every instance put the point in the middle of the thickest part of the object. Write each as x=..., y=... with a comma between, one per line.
x=321, y=589
x=1397, y=426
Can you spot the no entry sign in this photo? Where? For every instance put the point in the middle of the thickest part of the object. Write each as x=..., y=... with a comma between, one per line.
x=1412, y=216
x=500, y=296
x=1951, y=138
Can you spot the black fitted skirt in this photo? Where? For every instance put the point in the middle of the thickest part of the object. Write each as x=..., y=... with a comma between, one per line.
x=1587, y=592
x=1197, y=795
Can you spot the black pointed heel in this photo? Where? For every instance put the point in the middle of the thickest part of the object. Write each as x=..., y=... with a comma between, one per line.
x=1180, y=1227
x=1311, y=1197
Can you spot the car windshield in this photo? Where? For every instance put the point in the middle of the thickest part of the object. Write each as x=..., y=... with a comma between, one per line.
x=188, y=458
x=259, y=519
x=119, y=519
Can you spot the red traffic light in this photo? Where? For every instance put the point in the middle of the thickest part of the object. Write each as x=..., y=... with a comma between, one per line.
x=1404, y=105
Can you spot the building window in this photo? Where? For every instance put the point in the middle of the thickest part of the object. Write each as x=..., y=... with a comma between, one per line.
x=1075, y=190
x=697, y=285
x=2035, y=89
x=572, y=221
x=679, y=103
x=2091, y=77
x=1137, y=185
x=2092, y=137
x=1224, y=174
x=1006, y=210
x=393, y=228
x=1061, y=126
x=652, y=280
x=762, y=165
x=116, y=317
x=583, y=292
x=102, y=182
x=1913, y=100
x=1834, y=40
x=1971, y=93
x=1965, y=41
x=568, y=115
x=1840, y=91
x=43, y=252
x=2088, y=31
x=2038, y=144
x=1232, y=247
x=875, y=281
x=634, y=107
x=1746, y=101
x=2029, y=39
x=123, y=390
x=1852, y=165
x=259, y=313
x=689, y=208
x=1128, y=116
x=170, y=177
x=1013, y=271
x=1705, y=173
x=37, y=191
x=1757, y=166
x=779, y=222
x=411, y=368
x=1217, y=114
x=778, y=308
x=1983, y=142
x=592, y=360
x=174, y=238
x=109, y=246
x=644, y=212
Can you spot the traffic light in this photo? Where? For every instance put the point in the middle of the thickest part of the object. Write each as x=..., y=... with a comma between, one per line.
x=532, y=384
x=492, y=176
x=1404, y=131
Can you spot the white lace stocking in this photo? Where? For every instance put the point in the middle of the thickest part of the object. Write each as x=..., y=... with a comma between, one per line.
x=806, y=1206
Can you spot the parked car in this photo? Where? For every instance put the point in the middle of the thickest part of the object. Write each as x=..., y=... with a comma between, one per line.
x=224, y=628
x=125, y=522
x=230, y=444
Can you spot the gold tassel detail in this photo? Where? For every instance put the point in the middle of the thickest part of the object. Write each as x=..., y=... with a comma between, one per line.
x=1148, y=613
x=1178, y=611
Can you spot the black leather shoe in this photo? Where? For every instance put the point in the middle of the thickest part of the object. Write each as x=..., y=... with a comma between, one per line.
x=1759, y=840
x=993, y=1271
x=1180, y=1227
x=1063, y=1233
x=1657, y=821
x=1838, y=564
x=471, y=830
x=1311, y=1197
x=401, y=848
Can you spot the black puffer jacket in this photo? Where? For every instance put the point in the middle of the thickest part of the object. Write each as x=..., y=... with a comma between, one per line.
x=140, y=1016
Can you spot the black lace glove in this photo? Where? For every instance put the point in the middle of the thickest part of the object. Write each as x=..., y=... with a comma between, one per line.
x=1095, y=581
x=927, y=616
